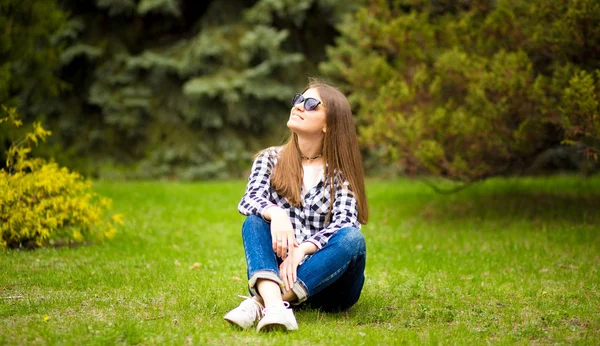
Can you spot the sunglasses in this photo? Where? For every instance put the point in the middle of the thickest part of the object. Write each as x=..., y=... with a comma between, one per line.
x=310, y=104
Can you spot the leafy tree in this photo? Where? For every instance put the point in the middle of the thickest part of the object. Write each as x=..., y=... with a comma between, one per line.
x=184, y=89
x=472, y=89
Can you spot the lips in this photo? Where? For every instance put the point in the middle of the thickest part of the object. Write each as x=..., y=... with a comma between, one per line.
x=297, y=116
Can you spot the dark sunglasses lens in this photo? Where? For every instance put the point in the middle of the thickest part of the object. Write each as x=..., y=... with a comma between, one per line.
x=311, y=104
x=297, y=99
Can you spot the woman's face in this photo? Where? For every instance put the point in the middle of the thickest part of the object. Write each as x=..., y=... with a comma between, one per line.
x=308, y=122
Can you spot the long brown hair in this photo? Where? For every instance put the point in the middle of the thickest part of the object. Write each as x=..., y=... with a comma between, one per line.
x=340, y=153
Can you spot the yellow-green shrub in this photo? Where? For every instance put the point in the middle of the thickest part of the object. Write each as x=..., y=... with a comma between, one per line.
x=40, y=201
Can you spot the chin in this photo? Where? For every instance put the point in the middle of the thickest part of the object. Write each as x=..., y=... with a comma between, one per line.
x=291, y=125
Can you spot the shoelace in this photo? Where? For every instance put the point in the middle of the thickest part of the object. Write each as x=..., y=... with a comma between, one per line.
x=254, y=307
x=285, y=304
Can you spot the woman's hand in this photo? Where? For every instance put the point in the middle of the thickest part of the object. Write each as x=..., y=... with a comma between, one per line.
x=285, y=246
x=282, y=232
x=289, y=267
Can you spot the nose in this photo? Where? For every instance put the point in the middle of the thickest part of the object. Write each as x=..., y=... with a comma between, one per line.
x=299, y=106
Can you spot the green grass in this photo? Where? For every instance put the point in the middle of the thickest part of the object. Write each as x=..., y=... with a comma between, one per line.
x=503, y=262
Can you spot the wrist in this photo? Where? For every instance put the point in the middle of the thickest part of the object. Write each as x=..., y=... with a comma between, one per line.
x=300, y=250
x=307, y=248
x=275, y=212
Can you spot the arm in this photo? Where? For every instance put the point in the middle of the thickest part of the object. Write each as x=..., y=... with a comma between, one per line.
x=257, y=201
x=283, y=239
x=256, y=198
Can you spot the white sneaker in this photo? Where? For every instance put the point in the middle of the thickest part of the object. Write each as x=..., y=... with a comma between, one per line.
x=278, y=317
x=246, y=314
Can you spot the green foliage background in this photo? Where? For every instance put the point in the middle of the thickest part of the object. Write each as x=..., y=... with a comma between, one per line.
x=165, y=88
x=472, y=89
x=192, y=89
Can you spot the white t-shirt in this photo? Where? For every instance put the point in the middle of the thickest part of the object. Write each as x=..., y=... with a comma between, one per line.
x=312, y=176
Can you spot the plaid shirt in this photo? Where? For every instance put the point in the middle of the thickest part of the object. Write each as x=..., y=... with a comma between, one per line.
x=308, y=220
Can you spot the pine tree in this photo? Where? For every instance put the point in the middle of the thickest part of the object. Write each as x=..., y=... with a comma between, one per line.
x=181, y=89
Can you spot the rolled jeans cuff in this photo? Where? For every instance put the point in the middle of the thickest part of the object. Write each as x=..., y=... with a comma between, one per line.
x=266, y=275
x=300, y=291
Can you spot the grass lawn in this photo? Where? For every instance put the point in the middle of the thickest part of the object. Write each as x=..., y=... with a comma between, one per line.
x=503, y=262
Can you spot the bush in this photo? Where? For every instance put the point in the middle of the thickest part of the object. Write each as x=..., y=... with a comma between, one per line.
x=40, y=201
x=470, y=90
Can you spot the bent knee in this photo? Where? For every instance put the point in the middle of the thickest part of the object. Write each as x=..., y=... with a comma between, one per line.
x=253, y=218
x=353, y=238
x=252, y=222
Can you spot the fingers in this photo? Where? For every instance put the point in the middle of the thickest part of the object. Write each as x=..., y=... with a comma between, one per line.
x=281, y=248
x=283, y=244
x=277, y=242
x=287, y=273
x=290, y=278
x=283, y=275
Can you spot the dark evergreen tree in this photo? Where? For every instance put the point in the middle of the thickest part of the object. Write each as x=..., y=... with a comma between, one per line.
x=161, y=88
x=29, y=56
x=183, y=89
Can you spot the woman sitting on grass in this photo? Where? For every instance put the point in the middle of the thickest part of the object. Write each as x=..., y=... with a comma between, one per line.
x=305, y=202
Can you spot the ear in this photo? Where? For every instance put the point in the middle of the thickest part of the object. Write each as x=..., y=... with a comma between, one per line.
x=324, y=128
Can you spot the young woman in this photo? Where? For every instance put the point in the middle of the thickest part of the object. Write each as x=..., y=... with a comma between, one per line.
x=305, y=202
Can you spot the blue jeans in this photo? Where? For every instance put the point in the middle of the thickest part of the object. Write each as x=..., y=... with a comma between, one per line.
x=331, y=279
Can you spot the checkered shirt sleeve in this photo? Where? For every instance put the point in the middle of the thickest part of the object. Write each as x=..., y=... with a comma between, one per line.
x=257, y=200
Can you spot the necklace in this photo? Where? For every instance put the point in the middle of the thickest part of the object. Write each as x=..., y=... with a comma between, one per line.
x=311, y=158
